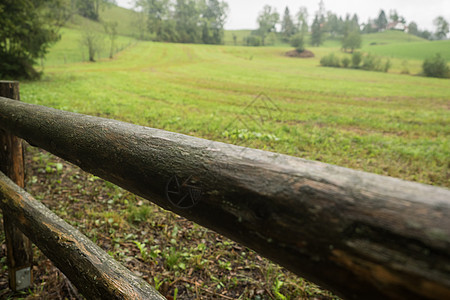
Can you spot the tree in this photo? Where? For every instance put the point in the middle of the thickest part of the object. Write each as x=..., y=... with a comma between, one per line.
x=111, y=31
x=287, y=25
x=413, y=29
x=91, y=8
x=332, y=26
x=27, y=29
x=442, y=27
x=302, y=20
x=352, y=41
x=393, y=16
x=267, y=19
x=214, y=15
x=381, y=21
x=426, y=34
x=187, y=20
x=297, y=42
x=86, y=8
x=352, y=36
x=92, y=40
x=155, y=12
x=316, y=32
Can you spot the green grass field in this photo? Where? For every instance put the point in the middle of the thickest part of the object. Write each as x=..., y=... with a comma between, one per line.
x=413, y=50
x=389, y=124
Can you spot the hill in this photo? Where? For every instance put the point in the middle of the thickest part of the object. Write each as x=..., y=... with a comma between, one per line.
x=125, y=18
x=412, y=50
x=389, y=37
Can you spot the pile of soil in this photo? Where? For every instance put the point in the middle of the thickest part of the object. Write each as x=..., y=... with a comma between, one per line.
x=304, y=54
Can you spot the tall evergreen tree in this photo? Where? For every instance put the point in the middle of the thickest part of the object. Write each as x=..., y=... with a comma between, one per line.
x=316, y=32
x=302, y=20
x=27, y=29
x=287, y=25
x=381, y=21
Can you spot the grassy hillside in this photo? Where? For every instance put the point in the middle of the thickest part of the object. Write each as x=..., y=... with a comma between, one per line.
x=390, y=37
x=125, y=18
x=70, y=48
x=414, y=50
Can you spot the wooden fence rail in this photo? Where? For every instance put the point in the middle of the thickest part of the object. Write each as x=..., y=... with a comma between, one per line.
x=96, y=274
x=361, y=235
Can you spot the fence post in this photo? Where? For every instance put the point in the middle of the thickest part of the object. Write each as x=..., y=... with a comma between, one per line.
x=19, y=251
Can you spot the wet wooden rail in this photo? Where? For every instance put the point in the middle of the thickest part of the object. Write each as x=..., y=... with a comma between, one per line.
x=361, y=235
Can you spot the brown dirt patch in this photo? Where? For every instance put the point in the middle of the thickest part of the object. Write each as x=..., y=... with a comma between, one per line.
x=304, y=54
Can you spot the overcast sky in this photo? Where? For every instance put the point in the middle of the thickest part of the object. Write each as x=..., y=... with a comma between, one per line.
x=243, y=13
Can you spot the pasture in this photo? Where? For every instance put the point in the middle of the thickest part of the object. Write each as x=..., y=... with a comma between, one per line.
x=390, y=124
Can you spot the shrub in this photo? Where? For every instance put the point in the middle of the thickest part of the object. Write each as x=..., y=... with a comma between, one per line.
x=298, y=43
x=253, y=40
x=356, y=59
x=345, y=62
x=387, y=65
x=330, y=60
x=371, y=63
x=436, y=67
x=405, y=68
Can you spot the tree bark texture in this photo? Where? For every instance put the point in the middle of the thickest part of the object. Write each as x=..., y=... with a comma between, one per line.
x=19, y=249
x=92, y=270
x=364, y=236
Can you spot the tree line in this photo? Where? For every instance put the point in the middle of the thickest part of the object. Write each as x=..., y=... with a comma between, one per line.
x=182, y=21
x=326, y=24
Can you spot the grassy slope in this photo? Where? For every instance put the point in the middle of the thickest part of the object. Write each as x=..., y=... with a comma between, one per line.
x=390, y=37
x=70, y=49
x=383, y=123
x=414, y=50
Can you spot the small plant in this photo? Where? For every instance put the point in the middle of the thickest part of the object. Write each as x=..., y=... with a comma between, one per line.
x=356, y=59
x=298, y=43
x=345, y=62
x=405, y=68
x=436, y=67
x=157, y=282
x=330, y=60
x=175, y=294
x=139, y=214
x=387, y=65
x=277, y=285
x=253, y=41
x=142, y=249
x=371, y=63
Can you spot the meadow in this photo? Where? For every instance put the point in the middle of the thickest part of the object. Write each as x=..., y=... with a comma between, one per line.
x=386, y=123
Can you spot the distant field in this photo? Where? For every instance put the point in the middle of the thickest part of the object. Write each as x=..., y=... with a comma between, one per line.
x=413, y=50
x=389, y=124
x=390, y=37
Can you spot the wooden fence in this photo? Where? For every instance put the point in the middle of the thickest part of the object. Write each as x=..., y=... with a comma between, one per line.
x=361, y=235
